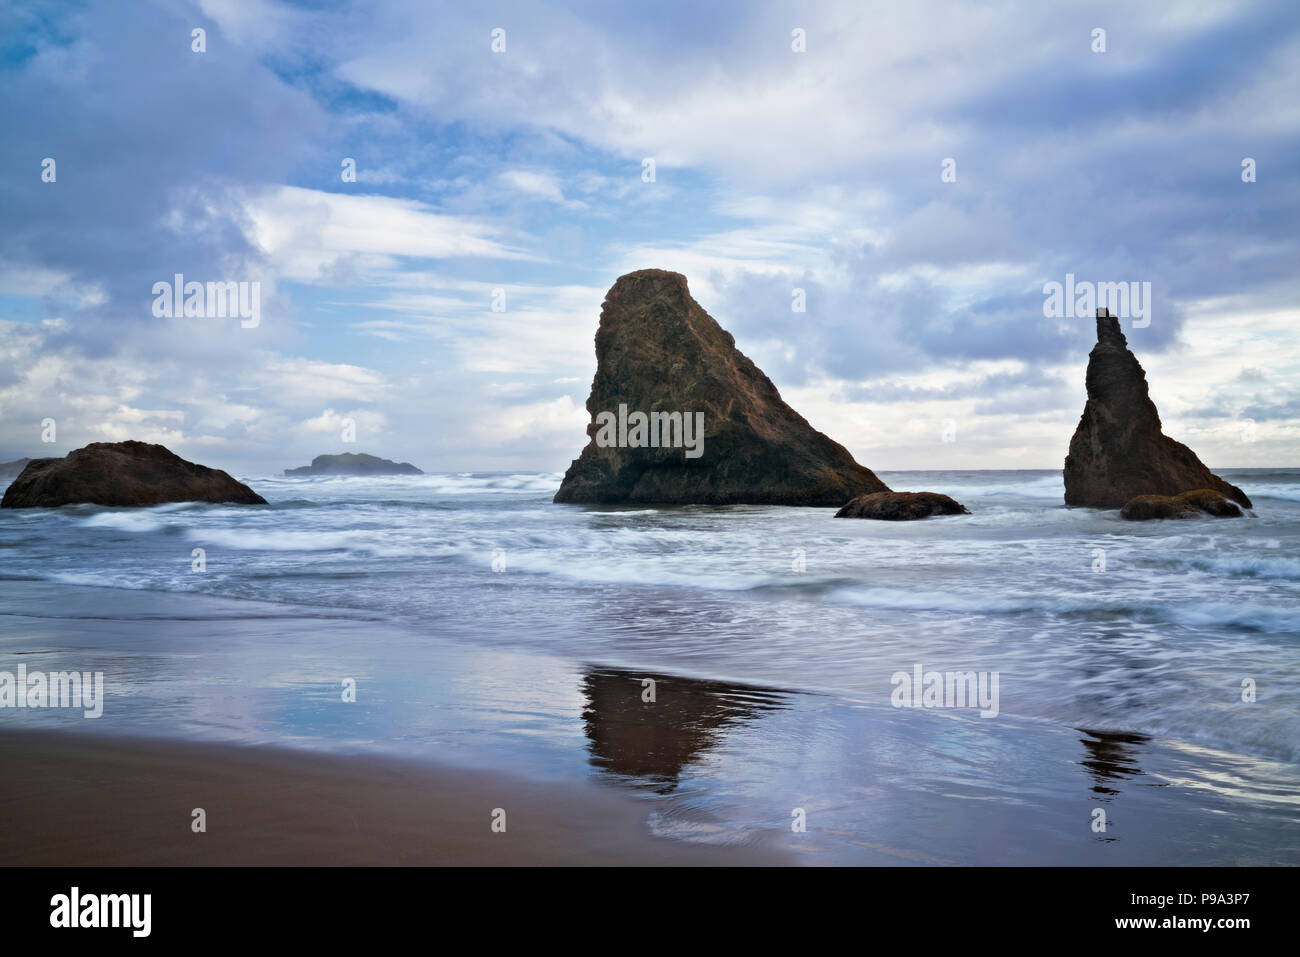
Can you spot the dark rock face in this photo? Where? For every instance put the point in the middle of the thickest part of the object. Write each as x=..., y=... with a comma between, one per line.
x=901, y=506
x=659, y=353
x=123, y=473
x=352, y=463
x=1194, y=504
x=1118, y=451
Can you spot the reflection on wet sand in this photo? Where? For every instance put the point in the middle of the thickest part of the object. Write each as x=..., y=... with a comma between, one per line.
x=653, y=740
x=1110, y=757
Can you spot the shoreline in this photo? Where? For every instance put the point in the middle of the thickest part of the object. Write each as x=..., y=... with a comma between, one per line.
x=234, y=706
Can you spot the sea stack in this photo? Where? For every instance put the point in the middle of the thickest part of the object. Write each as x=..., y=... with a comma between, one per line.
x=1194, y=504
x=901, y=506
x=681, y=416
x=354, y=463
x=1119, y=451
x=123, y=473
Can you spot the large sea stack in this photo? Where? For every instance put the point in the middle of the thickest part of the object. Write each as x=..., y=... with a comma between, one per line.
x=123, y=473
x=659, y=354
x=1118, y=451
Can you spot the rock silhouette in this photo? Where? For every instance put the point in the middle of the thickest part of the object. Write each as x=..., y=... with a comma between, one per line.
x=1119, y=451
x=354, y=463
x=1194, y=504
x=123, y=473
x=901, y=506
x=734, y=440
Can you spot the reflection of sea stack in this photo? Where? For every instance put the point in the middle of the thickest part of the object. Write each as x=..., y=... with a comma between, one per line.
x=1111, y=757
x=123, y=473
x=1118, y=451
x=655, y=740
x=660, y=355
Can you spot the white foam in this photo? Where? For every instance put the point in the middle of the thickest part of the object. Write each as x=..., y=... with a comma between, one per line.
x=139, y=522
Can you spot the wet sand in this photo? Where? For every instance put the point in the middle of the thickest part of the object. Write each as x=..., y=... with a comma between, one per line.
x=88, y=800
x=236, y=707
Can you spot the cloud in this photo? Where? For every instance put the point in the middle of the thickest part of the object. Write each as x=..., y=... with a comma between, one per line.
x=534, y=183
x=307, y=234
x=330, y=421
x=521, y=171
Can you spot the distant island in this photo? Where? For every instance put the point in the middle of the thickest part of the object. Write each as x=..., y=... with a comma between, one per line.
x=354, y=463
x=11, y=470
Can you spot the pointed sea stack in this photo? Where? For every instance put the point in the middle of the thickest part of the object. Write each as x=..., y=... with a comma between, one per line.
x=659, y=353
x=1118, y=451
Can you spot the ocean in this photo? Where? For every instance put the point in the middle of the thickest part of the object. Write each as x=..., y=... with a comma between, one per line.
x=484, y=625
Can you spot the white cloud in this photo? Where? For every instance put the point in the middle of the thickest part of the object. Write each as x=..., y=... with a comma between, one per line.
x=536, y=423
x=363, y=421
x=534, y=183
x=308, y=233
x=296, y=382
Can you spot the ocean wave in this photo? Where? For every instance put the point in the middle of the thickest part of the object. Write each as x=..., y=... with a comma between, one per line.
x=1200, y=614
x=645, y=570
x=353, y=541
x=838, y=588
x=149, y=519
x=1053, y=488
x=139, y=522
x=1286, y=493
x=101, y=580
x=1243, y=566
x=1030, y=484
x=439, y=483
x=1243, y=476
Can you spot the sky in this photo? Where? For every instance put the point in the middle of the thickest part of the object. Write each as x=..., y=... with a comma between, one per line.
x=919, y=170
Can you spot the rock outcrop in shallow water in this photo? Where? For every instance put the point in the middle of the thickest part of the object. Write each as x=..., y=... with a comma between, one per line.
x=354, y=463
x=1193, y=504
x=901, y=506
x=1119, y=451
x=681, y=416
x=123, y=473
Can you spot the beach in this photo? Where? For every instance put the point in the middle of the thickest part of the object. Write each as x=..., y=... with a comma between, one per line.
x=237, y=707
x=586, y=434
x=80, y=800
